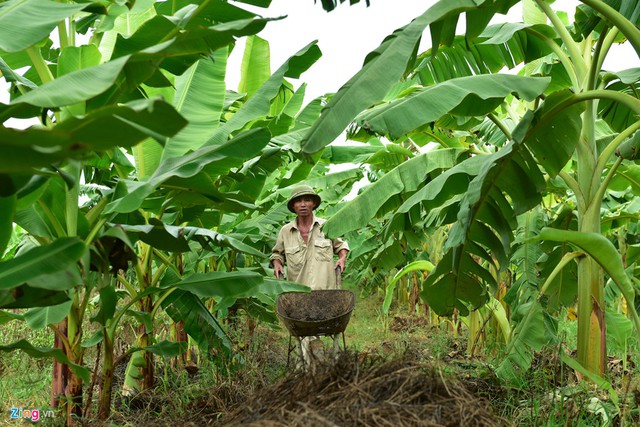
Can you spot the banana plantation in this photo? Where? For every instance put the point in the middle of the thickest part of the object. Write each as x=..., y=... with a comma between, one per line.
x=139, y=206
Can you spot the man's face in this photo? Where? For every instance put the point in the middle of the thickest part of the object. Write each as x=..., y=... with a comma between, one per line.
x=303, y=205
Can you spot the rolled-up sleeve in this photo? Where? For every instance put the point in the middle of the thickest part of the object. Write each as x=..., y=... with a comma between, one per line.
x=278, y=253
x=339, y=244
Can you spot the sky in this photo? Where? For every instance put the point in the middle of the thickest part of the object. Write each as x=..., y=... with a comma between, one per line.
x=345, y=36
x=348, y=33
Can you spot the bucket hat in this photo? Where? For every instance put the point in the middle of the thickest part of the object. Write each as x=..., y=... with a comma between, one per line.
x=303, y=190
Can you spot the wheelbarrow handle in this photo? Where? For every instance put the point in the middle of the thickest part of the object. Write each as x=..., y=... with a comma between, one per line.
x=281, y=275
x=338, y=277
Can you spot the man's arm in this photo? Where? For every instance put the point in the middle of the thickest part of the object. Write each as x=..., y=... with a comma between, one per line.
x=277, y=257
x=278, y=268
x=342, y=258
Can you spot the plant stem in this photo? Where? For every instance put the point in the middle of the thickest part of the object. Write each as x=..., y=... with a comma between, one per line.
x=562, y=56
x=597, y=59
x=500, y=125
x=71, y=198
x=627, y=28
x=39, y=64
x=568, y=257
x=611, y=148
x=62, y=34
x=607, y=42
x=60, y=231
x=573, y=185
x=574, y=52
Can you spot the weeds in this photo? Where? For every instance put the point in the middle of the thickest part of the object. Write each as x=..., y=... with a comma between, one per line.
x=549, y=394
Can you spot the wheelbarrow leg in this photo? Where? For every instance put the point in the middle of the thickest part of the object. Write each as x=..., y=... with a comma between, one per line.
x=336, y=344
x=301, y=362
x=289, y=350
x=297, y=348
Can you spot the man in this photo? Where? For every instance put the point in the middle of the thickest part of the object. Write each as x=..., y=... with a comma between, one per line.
x=302, y=245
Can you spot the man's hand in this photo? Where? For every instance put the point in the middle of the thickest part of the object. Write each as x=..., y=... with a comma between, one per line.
x=278, y=269
x=342, y=257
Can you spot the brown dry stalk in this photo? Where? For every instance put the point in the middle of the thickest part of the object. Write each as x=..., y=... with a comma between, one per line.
x=365, y=393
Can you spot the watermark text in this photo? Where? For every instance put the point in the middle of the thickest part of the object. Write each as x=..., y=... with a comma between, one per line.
x=30, y=414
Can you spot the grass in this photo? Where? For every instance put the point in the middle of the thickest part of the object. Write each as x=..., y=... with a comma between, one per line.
x=24, y=381
x=549, y=394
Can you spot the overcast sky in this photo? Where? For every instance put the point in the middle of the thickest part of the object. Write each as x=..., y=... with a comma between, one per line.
x=348, y=33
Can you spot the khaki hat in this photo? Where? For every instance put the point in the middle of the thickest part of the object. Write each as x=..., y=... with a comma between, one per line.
x=303, y=190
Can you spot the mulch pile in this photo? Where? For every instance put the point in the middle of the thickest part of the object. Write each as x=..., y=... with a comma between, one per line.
x=364, y=392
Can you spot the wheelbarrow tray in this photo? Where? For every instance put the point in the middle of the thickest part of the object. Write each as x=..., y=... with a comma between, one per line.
x=321, y=312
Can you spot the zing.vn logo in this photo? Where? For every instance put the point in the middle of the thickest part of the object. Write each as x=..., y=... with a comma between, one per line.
x=30, y=414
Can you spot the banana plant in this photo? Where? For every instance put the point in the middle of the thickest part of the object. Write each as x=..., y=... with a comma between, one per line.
x=90, y=100
x=549, y=135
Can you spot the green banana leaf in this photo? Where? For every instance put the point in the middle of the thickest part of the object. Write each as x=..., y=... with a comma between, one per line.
x=100, y=130
x=231, y=284
x=601, y=250
x=619, y=329
x=552, y=132
x=619, y=116
x=529, y=336
x=199, y=98
x=175, y=239
x=214, y=160
x=73, y=58
x=40, y=261
x=499, y=46
x=458, y=277
x=176, y=55
x=407, y=177
x=40, y=317
x=163, y=348
x=8, y=316
x=199, y=323
x=40, y=352
x=526, y=256
x=256, y=65
x=7, y=210
x=465, y=96
x=421, y=265
x=26, y=296
x=486, y=217
x=444, y=189
x=108, y=302
x=24, y=23
x=386, y=65
x=259, y=105
x=77, y=86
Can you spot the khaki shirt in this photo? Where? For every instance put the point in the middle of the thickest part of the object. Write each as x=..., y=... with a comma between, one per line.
x=310, y=264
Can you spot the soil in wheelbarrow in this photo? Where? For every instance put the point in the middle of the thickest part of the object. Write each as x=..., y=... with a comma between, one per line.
x=317, y=306
x=356, y=391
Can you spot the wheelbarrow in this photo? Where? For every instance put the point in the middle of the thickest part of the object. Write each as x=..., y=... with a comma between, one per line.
x=318, y=313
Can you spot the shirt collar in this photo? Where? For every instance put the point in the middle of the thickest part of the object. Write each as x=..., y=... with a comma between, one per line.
x=294, y=223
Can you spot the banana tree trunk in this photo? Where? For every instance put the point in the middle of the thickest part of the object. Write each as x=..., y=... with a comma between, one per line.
x=591, y=305
x=104, y=409
x=60, y=372
x=475, y=341
x=139, y=375
x=591, y=323
x=178, y=334
x=73, y=395
x=71, y=405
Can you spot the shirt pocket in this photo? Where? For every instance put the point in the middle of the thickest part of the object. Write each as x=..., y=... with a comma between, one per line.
x=323, y=249
x=295, y=255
